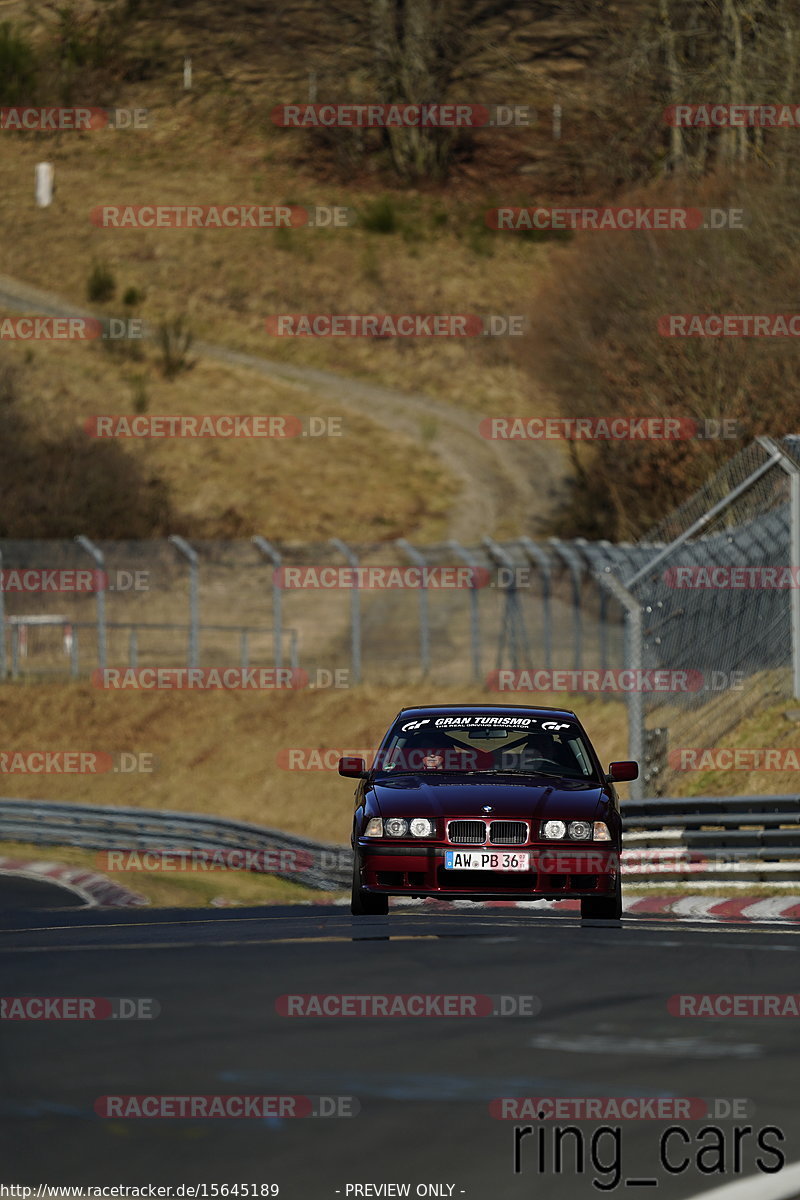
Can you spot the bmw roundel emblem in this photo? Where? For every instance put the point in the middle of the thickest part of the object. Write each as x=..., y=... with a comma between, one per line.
x=487, y=808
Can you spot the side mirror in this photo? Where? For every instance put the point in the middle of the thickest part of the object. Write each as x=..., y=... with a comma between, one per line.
x=352, y=767
x=623, y=772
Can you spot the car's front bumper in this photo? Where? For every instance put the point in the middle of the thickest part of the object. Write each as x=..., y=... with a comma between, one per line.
x=555, y=872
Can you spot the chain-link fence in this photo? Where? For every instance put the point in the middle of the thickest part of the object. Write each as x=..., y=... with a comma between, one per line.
x=379, y=613
x=717, y=596
x=708, y=600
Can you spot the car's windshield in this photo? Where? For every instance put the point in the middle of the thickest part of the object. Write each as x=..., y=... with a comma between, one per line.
x=525, y=745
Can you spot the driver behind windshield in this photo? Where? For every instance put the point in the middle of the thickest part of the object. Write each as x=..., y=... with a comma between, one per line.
x=483, y=749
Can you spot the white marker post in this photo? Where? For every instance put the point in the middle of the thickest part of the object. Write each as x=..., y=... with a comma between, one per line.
x=557, y=121
x=187, y=74
x=44, y=184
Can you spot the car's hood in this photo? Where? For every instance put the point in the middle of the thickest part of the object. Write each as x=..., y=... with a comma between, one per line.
x=428, y=795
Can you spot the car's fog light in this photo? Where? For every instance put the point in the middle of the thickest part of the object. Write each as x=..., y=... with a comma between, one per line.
x=396, y=827
x=554, y=829
x=581, y=830
x=420, y=827
x=601, y=833
x=374, y=827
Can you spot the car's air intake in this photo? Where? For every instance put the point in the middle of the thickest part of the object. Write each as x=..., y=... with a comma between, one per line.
x=508, y=833
x=461, y=833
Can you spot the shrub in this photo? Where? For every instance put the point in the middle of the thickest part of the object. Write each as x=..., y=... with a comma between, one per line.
x=101, y=285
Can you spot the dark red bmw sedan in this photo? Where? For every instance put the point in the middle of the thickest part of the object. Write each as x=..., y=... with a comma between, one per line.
x=487, y=802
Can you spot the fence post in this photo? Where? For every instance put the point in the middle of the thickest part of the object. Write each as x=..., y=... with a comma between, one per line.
x=568, y=555
x=793, y=471
x=274, y=556
x=74, y=662
x=100, y=594
x=539, y=557
x=355, y=608
x=474, y=615
x=633, y=662
x=190, y=555
x=513, y=626
x=424, y=622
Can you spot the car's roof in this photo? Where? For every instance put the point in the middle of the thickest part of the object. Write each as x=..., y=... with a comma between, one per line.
x=444, y=709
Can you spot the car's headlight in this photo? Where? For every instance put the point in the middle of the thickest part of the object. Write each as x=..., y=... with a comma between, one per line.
x=554, y=829
x=601, y=833
x=421, y=827
x=580, y=830
x=395, y=827
x=374, y=827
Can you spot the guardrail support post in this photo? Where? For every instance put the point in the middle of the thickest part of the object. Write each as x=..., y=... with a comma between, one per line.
x=274, y=556
x=100, y=593
x=190, y=555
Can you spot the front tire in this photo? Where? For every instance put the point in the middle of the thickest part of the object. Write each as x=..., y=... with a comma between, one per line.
x=603, y=908
x=366, y=904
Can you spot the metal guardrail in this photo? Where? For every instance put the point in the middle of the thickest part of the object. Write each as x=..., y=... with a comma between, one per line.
x=709, y=838
x=51, y=823
x=719, y=838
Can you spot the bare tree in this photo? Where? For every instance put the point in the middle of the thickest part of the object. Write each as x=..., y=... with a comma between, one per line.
x=431, y=52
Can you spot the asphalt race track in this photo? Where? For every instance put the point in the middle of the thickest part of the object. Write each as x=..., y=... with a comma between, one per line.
x=423, y=1084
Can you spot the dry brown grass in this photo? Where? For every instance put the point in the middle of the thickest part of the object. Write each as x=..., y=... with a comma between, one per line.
x=193, y=890
x=368, y=484
x=217, y=752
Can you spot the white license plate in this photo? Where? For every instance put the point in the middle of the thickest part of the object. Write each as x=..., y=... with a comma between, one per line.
x=486, y=860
